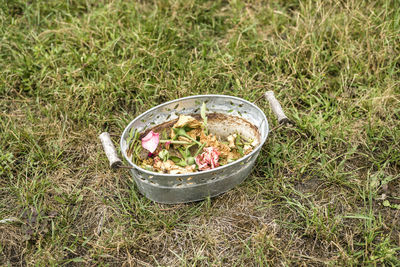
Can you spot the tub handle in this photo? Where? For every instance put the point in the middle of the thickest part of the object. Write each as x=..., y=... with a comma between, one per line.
x=110, y=150
x=276, y=107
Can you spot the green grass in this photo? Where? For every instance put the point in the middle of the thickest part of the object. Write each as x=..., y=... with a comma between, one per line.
x=324, y=191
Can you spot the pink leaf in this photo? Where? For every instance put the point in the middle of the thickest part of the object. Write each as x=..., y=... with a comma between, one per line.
x=167, y=144
x=208, y=159
x=150, y=141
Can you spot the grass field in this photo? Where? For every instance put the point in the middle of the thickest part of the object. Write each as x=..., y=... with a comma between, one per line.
x=325, y=191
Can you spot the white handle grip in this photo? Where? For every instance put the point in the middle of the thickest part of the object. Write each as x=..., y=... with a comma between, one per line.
x=276, y=107
x=110, y=150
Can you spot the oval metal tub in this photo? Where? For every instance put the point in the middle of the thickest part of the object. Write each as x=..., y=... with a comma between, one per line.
x=225, y=115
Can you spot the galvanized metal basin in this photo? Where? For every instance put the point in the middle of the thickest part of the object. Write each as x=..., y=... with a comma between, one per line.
x=226, y=115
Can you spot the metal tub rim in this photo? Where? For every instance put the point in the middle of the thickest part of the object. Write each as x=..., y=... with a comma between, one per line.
x=255, y=150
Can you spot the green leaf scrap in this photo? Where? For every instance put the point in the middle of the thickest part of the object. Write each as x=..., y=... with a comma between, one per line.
x=204, y=117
